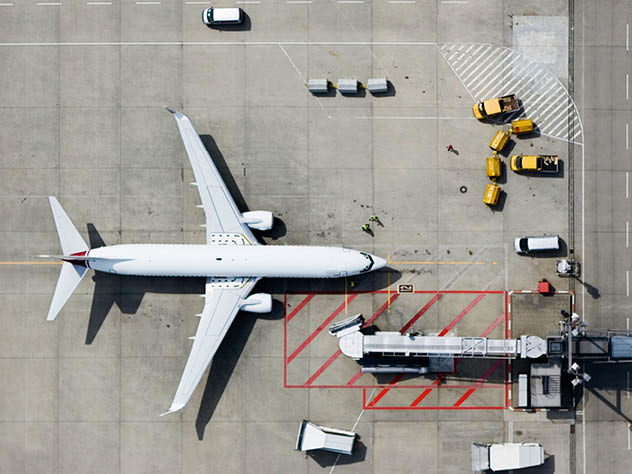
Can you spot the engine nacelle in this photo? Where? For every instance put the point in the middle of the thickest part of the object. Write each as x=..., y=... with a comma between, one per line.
x=257, y=303
x=259, y=220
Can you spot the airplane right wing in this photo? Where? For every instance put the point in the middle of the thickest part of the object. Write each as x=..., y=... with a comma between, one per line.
x=222, y=214
x=220, y=308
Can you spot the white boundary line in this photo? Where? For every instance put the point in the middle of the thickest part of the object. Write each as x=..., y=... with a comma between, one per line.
x=229, y=43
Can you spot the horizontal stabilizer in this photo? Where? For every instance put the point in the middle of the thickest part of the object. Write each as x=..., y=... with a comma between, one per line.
x=69, y=238
x=69, y=278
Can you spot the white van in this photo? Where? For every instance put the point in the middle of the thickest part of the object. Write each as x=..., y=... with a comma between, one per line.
x=222, y=16
x=541, y=243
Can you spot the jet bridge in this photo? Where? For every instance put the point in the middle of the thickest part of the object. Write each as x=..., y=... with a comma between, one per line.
x=353, y=343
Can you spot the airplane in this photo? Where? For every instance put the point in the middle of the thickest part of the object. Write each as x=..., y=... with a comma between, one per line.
x=232, y=261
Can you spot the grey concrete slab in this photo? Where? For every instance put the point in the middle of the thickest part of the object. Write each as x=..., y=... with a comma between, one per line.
x=90, y=138
x=405, y=22
x=151, y=22
x=23, y=148
x=398, y=447
x=276, y=136
x=270, y=404
x=151, y=75
x=89, y=447
x=89, y=77
x=340, y=22
x=274, y=452
x=452, y=16
x=98, y=382
x=34, y=78
x=29, y=393
x=28, y=22
x=213, y=75
x=278, y=21
x=89, y=22
x=141, y=375
x=28, y=447
x=227, y=451
x=455, y=441
x=150, y=447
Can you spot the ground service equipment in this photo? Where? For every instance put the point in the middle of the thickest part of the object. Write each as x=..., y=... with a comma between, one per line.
x=536, y=163
x=496, y=106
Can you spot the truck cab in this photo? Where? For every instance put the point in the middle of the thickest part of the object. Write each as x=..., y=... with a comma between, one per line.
x=536, y=163
x=496, y=106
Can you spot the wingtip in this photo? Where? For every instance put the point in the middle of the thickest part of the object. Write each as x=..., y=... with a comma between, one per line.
x=172, y=409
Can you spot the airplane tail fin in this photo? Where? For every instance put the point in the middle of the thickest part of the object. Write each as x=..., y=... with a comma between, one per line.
x=73, y=247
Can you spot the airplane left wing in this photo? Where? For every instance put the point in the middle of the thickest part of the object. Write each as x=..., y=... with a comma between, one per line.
x=220, y=308
x=222, y=214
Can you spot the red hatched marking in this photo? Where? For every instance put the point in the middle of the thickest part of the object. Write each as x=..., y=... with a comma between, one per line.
x=439, y=379
x=336, y=354
x=461, y=315
x=478, y=383
x=384, y=391
x=322, y=326
x=412, y=320
x=421, y=312
x=300, y=306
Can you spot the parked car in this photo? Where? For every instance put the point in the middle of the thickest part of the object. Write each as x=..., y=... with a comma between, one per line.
x=540, y=243
x=222, y=16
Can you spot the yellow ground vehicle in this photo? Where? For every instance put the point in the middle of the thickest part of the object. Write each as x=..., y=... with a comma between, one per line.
x=495, y=106
x=538, y=163
x=522, y=126
x=499, y=141
x=493, y=167
x=492, y=194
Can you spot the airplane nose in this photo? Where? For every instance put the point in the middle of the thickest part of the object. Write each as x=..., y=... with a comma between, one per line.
x=379, y=262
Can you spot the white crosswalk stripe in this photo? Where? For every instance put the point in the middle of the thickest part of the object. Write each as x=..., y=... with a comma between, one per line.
x=491, y=71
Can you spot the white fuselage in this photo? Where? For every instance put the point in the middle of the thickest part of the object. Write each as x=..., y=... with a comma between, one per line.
x=232, y=261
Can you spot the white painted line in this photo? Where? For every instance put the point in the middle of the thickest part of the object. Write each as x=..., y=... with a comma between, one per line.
x=223, y=43
x=627, y=229
x=291, y=62
x=6, y=4
x=627, y=323
x=629, y=427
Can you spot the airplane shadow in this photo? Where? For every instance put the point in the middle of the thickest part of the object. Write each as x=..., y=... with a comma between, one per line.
x=126, y=292
x=225, y=361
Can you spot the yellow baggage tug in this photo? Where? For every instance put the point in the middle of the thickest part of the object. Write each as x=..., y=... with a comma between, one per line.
x=499, y=141
x=521, y=127
x=492, y=193
x=493, y=167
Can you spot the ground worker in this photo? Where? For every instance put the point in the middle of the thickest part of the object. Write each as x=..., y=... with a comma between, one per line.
x=366, y=228
x=450, y=148
x=374, y=219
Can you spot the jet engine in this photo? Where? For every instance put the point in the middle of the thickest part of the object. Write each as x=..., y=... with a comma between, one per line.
x=257, y=303
x=259, y=220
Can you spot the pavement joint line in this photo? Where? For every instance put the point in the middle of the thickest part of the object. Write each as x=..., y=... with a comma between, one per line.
x=148, y=3
x=48, y=4
x=224, y=43
x=454, y=2
x=31, y=263
x=627, y=184
x=627, y=137
x=99, y=3
x=402, y=1
x=419, y=117
x=627, y=87
x=442, y=263
x=627, y=283
x=627, y=37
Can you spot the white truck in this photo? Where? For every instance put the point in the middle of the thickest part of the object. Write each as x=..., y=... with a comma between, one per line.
x=505, y=456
